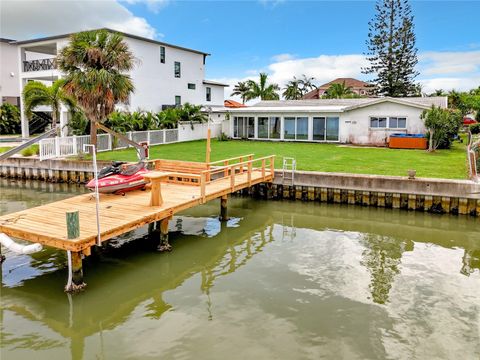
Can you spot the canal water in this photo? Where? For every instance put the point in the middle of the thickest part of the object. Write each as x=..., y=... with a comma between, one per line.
x=281, y=280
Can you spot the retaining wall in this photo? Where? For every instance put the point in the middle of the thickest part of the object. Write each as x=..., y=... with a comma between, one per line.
x=421, y=194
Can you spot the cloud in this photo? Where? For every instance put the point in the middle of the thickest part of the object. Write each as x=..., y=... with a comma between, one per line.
x=271, y=3
x=24, y=19
x=439, y=70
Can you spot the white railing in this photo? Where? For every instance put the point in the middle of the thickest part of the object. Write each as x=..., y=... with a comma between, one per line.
x=73, y=145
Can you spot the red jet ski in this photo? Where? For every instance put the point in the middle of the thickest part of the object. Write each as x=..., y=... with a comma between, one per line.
x=119, y=178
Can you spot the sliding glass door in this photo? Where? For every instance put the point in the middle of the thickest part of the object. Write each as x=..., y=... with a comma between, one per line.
x=243, y=127
x=325, y=128
x=295, y=128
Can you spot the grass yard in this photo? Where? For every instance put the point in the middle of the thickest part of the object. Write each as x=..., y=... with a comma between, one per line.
x=449, y=164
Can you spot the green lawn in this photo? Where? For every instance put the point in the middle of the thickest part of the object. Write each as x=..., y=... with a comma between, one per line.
x=450, y=164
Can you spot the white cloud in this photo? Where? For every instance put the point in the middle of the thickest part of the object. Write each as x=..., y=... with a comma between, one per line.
x=439, y=70
x=24, y=19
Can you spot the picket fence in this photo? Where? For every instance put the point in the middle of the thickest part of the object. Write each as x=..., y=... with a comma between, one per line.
x=74, y=145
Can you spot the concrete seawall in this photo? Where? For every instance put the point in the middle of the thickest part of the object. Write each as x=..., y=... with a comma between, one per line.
x=421, y=194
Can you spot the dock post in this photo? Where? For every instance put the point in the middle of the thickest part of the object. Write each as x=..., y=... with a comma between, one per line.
x=75, y=278
x=164, y=245
x=2, y=257
x=223, y=208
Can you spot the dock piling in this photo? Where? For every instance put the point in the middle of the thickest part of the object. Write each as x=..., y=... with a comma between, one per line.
x=75, y=283
x=223, y=208
x=164, y=245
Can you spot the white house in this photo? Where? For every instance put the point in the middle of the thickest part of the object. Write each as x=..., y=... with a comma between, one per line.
x=164, y=74
x=357, y=121
x=9, y=83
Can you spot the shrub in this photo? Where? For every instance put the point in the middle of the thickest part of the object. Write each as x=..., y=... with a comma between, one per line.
x=9, y=119
x=31, y=150
x=442, y=125
x=475, y=128
x=222, y=137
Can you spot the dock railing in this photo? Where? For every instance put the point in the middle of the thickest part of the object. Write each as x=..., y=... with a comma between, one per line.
x=239, y=167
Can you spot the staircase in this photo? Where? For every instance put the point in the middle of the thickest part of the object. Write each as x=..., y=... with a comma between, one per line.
x=39, y=122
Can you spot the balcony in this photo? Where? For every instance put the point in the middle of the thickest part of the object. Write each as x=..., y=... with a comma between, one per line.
x=39, y=65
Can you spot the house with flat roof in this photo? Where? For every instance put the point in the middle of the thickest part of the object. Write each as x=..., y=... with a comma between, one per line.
x=358, y=87
x=164, y=75
x=365, y=121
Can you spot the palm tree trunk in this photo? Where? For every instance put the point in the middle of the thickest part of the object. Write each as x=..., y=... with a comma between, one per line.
x=93, y=135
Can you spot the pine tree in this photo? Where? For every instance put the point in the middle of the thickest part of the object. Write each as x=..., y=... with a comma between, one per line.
x=391, y=49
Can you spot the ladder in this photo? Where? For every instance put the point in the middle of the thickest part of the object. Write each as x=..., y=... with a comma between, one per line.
x=289, y=167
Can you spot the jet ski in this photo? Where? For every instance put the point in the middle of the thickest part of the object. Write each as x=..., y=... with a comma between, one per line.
x=120, y=177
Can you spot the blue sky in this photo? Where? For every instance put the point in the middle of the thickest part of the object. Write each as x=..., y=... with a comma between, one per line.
x=323, y=39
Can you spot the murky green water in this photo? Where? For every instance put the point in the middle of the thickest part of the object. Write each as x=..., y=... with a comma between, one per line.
x=283, y=280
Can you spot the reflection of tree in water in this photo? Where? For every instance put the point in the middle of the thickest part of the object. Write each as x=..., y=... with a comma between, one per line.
x=470, y=261
x=382, y=258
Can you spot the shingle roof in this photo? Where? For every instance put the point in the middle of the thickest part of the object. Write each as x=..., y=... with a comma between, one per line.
x=348, y=82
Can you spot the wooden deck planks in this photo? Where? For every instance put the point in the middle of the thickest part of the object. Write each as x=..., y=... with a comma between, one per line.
x=118, y=214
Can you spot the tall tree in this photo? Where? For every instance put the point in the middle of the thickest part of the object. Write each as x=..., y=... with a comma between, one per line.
x=262, y=89
x=339, y=91
x=36, y=93
x=391, y=49
x=96, y=64
x=307, y=84
x=293, y=90
x=241, y=89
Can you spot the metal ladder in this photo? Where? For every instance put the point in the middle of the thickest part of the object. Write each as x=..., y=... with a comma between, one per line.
x=289, y=167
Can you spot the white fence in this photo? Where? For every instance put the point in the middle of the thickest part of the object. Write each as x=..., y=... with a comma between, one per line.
x=73, y=145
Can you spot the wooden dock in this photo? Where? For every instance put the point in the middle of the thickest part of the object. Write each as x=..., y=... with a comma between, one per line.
x=183, y=185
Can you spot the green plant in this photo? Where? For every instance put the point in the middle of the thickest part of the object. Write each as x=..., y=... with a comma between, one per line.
x=78, y=123
x=31, y=150
x=261, y=89
x=36, y=93
x=442, y=125
x=475, y=128
x=96, y=65
x=9, y=119
x=339, y=91
x=223, y=137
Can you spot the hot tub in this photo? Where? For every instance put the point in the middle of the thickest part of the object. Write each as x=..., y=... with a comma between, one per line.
x=407, y=141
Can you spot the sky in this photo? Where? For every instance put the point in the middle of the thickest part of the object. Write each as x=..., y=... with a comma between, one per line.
x=323, y=39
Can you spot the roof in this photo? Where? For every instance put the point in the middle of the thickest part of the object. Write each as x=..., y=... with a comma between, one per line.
x=4, y=40
x=341, y=105
x=233, y=104
x=354, y=83
x=110, y=30
x=210, y=82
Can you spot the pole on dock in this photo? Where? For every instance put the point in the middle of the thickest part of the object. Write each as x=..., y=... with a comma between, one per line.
x=75, y=269
x=164, y=245
x=223, y=208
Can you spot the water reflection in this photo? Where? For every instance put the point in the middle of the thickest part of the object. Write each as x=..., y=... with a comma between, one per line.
x=313, y=278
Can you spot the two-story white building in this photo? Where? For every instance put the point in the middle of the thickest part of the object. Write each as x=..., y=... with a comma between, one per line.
x=164, y=74
x=9, y=83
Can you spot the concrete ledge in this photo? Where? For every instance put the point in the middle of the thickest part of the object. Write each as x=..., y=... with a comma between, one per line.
x=388, y=184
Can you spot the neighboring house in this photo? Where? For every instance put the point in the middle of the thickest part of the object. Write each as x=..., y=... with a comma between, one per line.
x=358, y=87
x=9, y=83
x=164, y=75
x=233, y=104
x=365, y=121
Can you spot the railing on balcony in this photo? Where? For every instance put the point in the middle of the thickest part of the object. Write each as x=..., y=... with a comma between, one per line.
x=39, y=65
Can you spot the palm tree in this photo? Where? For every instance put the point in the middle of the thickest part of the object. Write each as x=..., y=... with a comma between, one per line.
x=339, y=91
x=36, y=93
x=307, y=84
x=241, y=89
x=191, y=113
x=262, y=90
x=95, y=63
x=293, y=90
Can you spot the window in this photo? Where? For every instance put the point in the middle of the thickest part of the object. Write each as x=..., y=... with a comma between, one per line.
x=243, y=127
x=274, y=127
x=397, y=123
x=319, y=128
x=263, y=127
x=209, y=93
x=378, y=122
x=295, y=128
x=177, y=69
x=192, y=86
x=178, y=100
x=162, y=54
x=332, y=129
